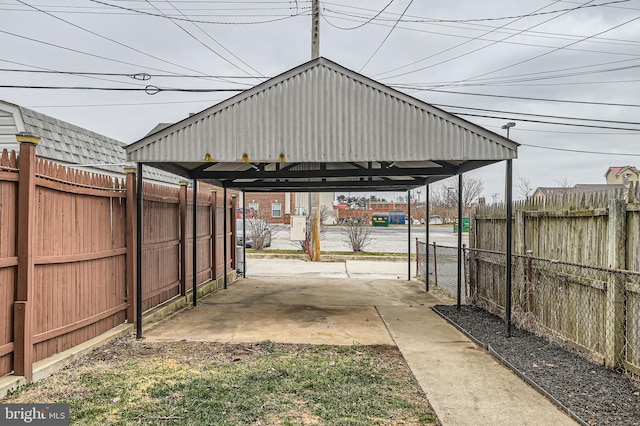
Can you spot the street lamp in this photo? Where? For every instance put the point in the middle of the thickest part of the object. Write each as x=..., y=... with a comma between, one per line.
x=508, y=126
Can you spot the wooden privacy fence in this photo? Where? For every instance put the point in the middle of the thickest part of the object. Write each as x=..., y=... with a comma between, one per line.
x=575, y=270
x=67, y=253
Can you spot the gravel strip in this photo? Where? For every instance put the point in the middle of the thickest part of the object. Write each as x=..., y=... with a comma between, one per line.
x=595, y=394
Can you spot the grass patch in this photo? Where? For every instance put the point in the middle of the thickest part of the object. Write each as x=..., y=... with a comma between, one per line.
x=193, y=383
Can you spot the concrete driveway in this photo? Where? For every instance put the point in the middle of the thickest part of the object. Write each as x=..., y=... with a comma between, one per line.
x=464, y=384
x=315, y=310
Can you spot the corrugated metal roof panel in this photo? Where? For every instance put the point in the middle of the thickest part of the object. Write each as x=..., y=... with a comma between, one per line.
x=321, y=112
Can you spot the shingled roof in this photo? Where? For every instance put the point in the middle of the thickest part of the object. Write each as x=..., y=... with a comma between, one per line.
x=69, y=144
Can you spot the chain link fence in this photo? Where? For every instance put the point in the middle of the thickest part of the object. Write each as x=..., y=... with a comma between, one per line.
x=443, y=267
x=592, y=309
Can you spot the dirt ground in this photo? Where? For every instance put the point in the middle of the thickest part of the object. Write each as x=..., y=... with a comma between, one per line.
x=151, y=364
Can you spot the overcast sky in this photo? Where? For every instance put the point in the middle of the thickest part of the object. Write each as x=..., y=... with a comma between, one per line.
x=522, y=53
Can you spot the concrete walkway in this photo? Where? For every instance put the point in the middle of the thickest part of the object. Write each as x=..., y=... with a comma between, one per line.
x=314, y=303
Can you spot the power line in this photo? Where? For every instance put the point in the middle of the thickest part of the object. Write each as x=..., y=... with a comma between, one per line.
x=109, y=39
x=434, y=20
x=538, y=76
x=548, y=122
x=551, y=51
x=521, y=97
x=368, y=21
x=634, y=123
x=141, y=12
x=203, y=44
x=479, y=48
x=579, y=151
x=385, y=39
x=501, y=28
x=149, y=90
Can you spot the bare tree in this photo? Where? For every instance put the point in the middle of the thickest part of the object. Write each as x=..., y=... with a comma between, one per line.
x=524, y=186
x=259, y=232
x=471, y=190
x=564, y=182
x=357, y=235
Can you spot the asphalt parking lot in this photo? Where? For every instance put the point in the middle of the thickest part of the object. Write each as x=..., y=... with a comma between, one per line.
x=394, y=239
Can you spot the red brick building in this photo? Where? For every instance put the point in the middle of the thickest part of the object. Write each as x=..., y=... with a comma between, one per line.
x=273, y=207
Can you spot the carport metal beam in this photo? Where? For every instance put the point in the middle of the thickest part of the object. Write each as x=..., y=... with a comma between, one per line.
x=139, y=232
x=195, y=244
x=225, y=243
x=459, y=299
x=409, y=236
x=426, y=238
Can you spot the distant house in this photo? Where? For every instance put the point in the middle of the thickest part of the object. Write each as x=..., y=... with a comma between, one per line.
x=71, y=145
x=624, y=175
x=547, y=192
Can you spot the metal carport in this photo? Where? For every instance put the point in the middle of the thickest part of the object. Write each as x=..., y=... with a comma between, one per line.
x=321, y=127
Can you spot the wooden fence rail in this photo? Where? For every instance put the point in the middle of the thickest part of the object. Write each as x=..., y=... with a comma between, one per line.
x=583, y=287
x=67, y=250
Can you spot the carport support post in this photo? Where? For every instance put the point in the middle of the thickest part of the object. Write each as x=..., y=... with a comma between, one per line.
x=509, y=201
x=409, y=236
x=183, y=237
x=459, y=300
x=194, y=247
x=225, y=230
x=426, y=238
x=139, y=232
x=244, y=234
x=214, y=235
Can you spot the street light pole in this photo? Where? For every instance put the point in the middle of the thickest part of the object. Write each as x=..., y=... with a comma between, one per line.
x=509, y=213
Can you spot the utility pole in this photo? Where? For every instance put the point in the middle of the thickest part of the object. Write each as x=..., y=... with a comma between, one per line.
x=314, y=251
x=315, y=29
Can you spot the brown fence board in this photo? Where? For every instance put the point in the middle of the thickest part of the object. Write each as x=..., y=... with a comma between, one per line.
x=79, y=253
x=8, y=260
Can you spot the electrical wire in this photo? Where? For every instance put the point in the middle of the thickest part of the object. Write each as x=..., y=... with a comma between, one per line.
x=634, y=123
x=368, y=21
x=135, y=76
x=579, y=151
x=110, y=39
x=548, y=122
x=549, y=52
x=387, y=37
x=149, y=90
x=433, y=20
x=525, y=98
x=205, y=45
x=141, y=12
x=473, y=39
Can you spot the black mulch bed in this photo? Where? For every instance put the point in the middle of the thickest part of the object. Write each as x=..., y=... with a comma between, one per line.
x=593, y=393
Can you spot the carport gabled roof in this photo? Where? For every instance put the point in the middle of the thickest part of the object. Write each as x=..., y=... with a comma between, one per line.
x=320, y=126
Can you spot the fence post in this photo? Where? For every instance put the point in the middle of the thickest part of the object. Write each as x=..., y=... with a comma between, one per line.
x=417, y=258
x=22, y=308
x=465, y=271
x=130, y=277
x=614, y=312
x=182, y=200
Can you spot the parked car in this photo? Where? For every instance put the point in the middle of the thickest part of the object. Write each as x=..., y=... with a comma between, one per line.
x=257, y=231
x=249, y=212
x=435, y=220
